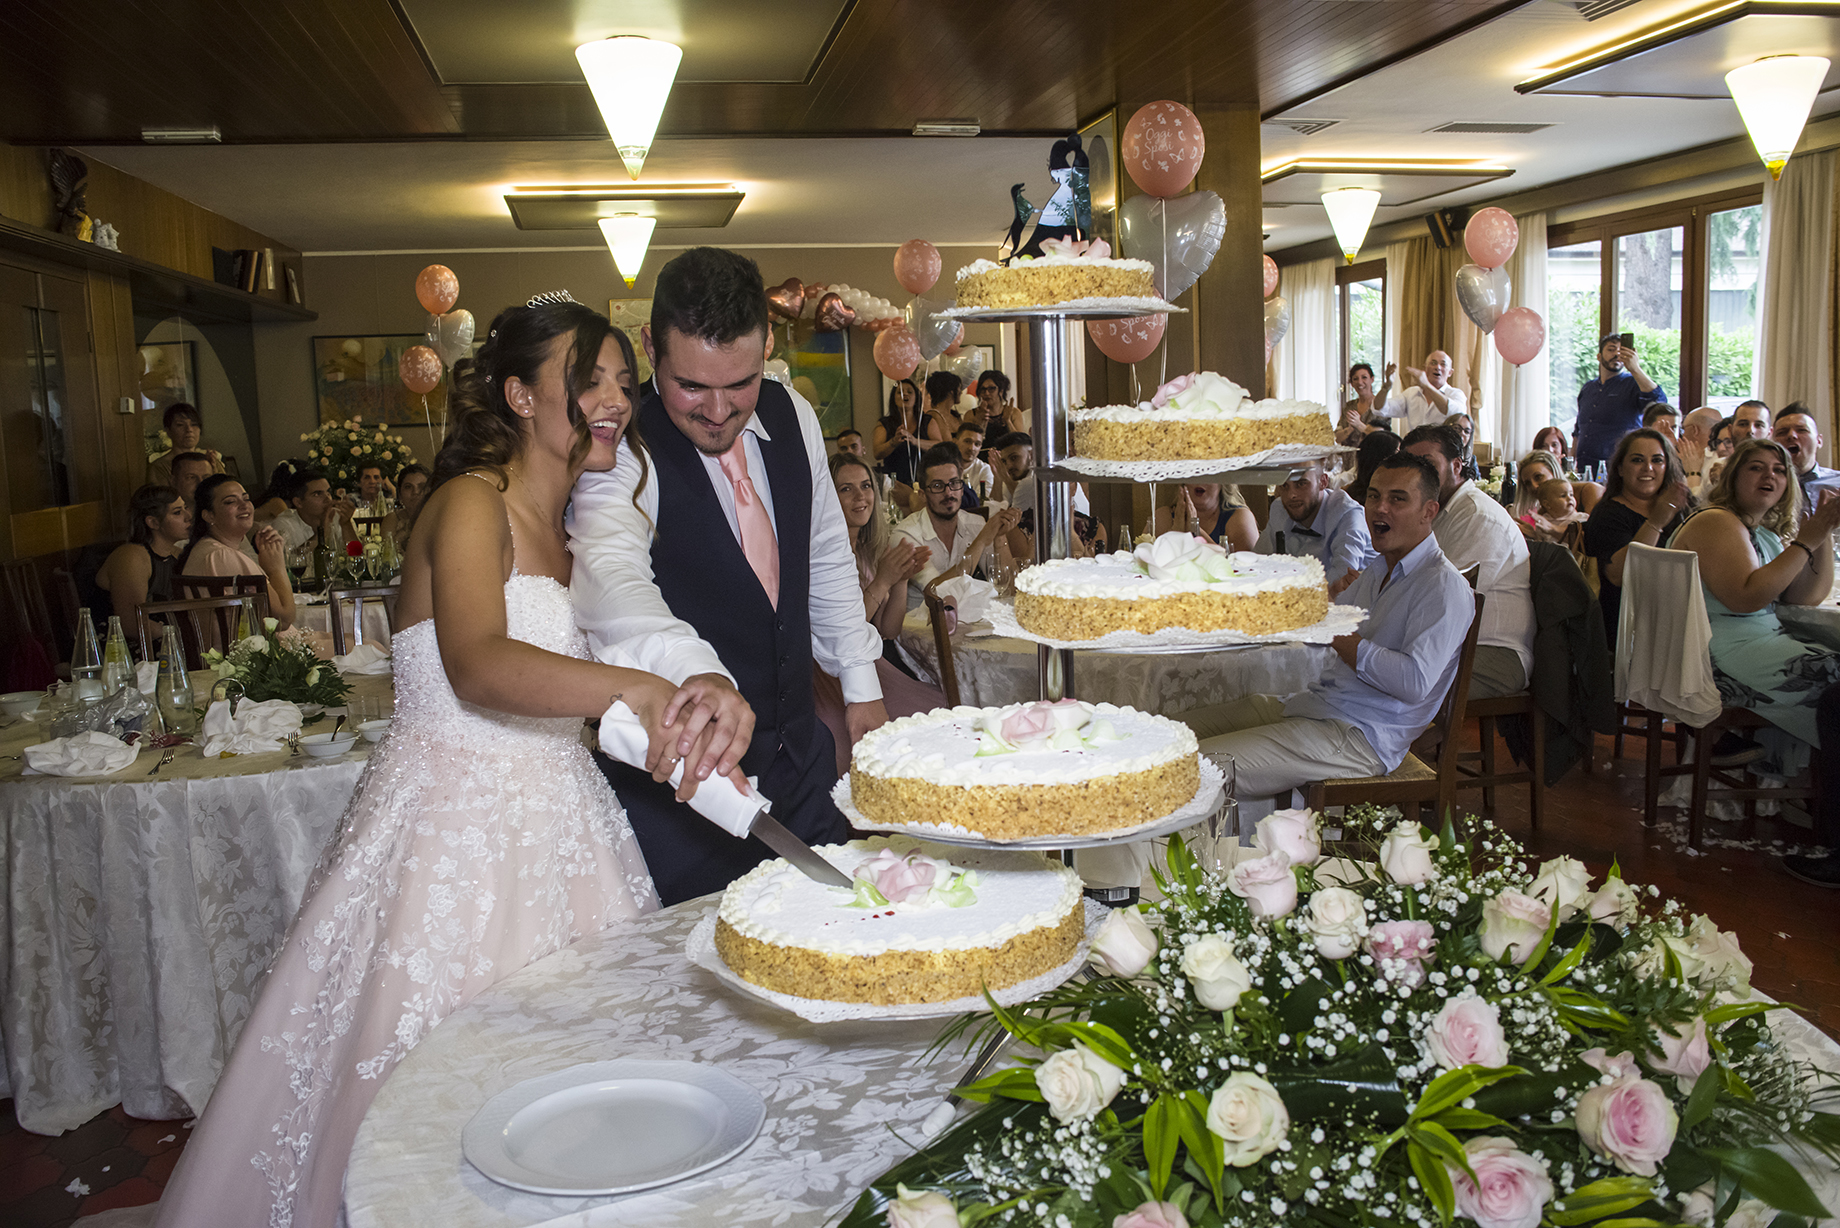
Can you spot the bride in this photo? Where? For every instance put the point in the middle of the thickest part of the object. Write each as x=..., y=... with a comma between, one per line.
x=482, y=837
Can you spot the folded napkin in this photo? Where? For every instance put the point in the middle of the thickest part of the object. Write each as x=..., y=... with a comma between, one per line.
x=81, y=754
x=364, y=659
x=717, y=799
x=256, y=727
x=146, y=677
x=970, y=595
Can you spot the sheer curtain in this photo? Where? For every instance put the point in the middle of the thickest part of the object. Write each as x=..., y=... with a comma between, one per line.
x=1517, y=400
x=1796, y=310
x=1305, y=361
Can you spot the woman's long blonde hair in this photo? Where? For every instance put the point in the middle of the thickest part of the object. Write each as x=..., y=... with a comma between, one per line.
x=870, y=540
x=1785, y=518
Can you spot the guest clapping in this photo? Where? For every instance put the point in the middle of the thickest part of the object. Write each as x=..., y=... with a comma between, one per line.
x=1642, y=502
x=883, y=564
x=956, y=543
x=1210, y=510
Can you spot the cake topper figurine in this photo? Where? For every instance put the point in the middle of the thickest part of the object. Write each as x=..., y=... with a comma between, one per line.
x=1068, y=213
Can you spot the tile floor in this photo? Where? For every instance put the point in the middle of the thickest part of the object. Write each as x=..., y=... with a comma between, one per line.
x=1790, y=930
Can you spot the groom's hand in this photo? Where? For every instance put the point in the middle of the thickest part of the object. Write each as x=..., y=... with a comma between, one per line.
x=860, y=718
x=714, y=726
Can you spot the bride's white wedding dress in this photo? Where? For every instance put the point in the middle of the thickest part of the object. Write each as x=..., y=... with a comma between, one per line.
x=477, y=842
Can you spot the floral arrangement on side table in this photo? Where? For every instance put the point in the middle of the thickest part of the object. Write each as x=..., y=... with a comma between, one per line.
x=338, y=448
x=280, y=665
x=1433, y=1035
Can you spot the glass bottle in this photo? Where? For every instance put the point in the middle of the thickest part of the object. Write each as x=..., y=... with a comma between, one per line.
x=243, y=628
x=86, y=660
x=117, y=666
x=1124, y=535
x=173, y=692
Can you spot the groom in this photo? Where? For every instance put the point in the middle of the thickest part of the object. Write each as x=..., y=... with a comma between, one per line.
x=729, y=559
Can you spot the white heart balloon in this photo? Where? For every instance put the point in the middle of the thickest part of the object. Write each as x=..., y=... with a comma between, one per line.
x=1277, y=318
x=1179, y=236
x=933, y=333
x=1483, y=294
x=451, y=335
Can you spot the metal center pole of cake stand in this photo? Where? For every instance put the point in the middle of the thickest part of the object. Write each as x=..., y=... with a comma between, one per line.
x=1051, y=393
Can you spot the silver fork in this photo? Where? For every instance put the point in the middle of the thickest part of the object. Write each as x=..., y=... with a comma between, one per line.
x=165, y=758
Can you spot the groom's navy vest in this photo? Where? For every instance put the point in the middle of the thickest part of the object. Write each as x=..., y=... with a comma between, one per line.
x=707, y=581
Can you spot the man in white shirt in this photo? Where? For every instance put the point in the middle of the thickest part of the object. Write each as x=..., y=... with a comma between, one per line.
x=979, y=477
x=1311, y=517
x=1695, y=449
x=1425, y=397
x=956, y=540
x=730, y=565
x=1473, y=530
x=314, y=515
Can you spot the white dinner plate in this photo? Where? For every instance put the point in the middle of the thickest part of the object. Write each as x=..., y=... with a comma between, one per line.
x=612, y=1127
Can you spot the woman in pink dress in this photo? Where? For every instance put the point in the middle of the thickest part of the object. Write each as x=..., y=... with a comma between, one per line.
x=482, y=837
x=225, y=525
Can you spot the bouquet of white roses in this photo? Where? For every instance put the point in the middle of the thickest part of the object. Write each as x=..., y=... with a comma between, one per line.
x=280, y=665
x=337, y=449
x=1429, y=1034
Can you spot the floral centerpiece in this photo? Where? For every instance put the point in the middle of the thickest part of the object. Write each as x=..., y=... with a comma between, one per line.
x=338, y=448
x=1432, y=1035
x=280, y=665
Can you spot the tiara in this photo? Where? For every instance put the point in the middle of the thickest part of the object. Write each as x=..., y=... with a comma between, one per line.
x=552, y=298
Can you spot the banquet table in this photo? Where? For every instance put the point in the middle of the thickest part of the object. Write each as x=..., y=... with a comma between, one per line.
x=141, y=913
x=844, y=1101
x=994, y=669
x=314, y=615
x=836, y=1094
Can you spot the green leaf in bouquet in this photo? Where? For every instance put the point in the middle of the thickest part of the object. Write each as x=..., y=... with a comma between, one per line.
x=1016, y=1083
x=1532, y=1093
x=1300, y=1007
x=1432, y=1179
x=1161, y=1140
x=1363, y=1084
x=1455, y=1086
x=1686, y=1169
x=1571, y=960
x=1739, y=1010
x=1822, y=1130
x=1544, y=945
x=1204, y=1146
x=941, y=1164
x=1584, y=1009
x=1768, y=1176
x=1460, y=1118
x=1701, y=1100
x=1610, y=1196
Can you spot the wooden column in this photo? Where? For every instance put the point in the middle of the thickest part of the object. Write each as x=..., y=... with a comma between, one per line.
x=1228, y=301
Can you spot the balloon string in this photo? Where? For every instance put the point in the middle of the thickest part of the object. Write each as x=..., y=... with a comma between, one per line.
x=1162, y=369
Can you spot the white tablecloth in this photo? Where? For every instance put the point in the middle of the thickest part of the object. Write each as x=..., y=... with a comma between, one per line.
x=141, y=915
x=834, y=1092
x=995, y=670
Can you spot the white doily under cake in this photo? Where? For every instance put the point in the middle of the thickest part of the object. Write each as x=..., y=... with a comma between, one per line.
x=1086, y=307
x=700, y=949
x=1185, y=470
x=1207, y=798
x=1340, y=620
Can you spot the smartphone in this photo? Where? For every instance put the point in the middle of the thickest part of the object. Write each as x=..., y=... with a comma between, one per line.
x=1628, y=340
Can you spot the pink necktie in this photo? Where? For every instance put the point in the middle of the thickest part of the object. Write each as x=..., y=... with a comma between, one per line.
x=757, y=540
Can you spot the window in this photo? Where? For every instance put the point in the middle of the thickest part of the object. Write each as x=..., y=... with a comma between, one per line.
x=1360, y=306
x=1682, y=277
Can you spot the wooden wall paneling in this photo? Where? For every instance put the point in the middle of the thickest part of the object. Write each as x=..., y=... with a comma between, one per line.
x=118, y=370
x=25, y=187
x=83, y=427
x=156, y=225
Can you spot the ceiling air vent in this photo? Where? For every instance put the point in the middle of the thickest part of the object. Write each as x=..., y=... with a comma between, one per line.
x=1484, y=126
x=1591, y=10
x=1304, y=127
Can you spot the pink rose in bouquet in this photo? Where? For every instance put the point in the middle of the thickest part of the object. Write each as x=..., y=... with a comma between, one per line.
x=1400, y=949
x=1685, y=1055
x=1511, y=1189
x=1629, y=1121
x=1467, y=1031
x=1152, y=1215
x=1266, y=884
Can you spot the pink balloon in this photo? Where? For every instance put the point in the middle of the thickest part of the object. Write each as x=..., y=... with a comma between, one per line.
x=1491, y=236
x=1520, y=334
x=897, y=352
x=917, y=265
x=1271, y=276
x=1162, y=147
x=436, y=289
x=420, y=368
x=1132, y=339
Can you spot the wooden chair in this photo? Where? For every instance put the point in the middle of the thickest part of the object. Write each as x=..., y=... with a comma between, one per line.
x=189, y=615
x=335, y=604
x=221, y=631
x=1736, y=784
x=942, y=641
x=367, y=526
x=1414, y=782
x=31, y=662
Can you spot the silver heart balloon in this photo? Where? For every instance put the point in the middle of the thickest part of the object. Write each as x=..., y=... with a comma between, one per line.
x=933, y=333
x=1483, y=294
x=1277, y=318
x=451, y=335
x=967, y=366
x=1179, y=236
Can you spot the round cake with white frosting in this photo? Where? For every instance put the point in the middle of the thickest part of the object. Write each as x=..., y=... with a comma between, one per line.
x=1197, y=417
x=923, y=923
x=1071, y=270
x=1175, y=581
x=1025, y=771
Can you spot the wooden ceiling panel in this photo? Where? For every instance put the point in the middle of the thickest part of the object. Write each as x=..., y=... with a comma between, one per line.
x=331, y=70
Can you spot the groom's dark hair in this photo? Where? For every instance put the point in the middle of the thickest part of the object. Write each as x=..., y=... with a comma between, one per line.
x=709, y=293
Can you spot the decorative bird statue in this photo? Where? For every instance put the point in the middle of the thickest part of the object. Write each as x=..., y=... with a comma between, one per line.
x=70, y=190
x=1023, y=212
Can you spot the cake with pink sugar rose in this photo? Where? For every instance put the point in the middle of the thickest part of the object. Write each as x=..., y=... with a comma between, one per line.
x=1202, y=416
x=1070, y=270
x=1024, y=771
x=919, y=923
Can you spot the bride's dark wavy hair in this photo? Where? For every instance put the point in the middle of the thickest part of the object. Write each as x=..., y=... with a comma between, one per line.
x=485, y=432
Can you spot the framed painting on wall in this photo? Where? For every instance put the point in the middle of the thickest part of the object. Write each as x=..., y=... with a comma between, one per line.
x=359, y=377
x=819, y=366
x=169, y=376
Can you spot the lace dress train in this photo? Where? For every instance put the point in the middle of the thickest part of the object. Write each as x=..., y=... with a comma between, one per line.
x=477, y=842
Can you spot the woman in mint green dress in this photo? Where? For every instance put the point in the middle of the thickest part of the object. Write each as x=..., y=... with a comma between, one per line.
x=1760, y=546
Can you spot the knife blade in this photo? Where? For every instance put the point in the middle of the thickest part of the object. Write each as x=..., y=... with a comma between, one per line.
x=774, y=835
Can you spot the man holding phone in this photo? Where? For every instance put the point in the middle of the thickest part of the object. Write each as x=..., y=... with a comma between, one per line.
x=1612, y=405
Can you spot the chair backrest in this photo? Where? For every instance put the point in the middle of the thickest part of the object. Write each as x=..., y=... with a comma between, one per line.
x=1448, y=722
x=335, y=605
x=31, y=662
x=1664, y=638
x=368, y=526
x=220, y=630
x=942, y=640
x=1471, y=574
x=192, y=616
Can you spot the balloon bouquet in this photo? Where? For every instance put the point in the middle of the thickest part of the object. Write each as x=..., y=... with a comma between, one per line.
x=1277, y=309
x=448, y=338
x=1483, y=289
x=1179, y=235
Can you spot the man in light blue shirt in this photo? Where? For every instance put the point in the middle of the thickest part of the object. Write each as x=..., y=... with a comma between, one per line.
x=1312, y=517
x=1385, y=682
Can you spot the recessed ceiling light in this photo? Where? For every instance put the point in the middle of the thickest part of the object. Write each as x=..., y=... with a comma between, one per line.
x=182, y=136
x=947, y=127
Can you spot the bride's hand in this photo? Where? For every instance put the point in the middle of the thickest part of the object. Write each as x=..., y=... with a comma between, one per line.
x=714, y=727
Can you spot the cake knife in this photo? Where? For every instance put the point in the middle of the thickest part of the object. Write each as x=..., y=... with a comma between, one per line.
x=804, y=858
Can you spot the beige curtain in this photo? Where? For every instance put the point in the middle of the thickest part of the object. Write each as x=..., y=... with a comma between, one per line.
x=1422, y=279
x=1304, y=363
x=1797, y=312
x=1517, y=401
